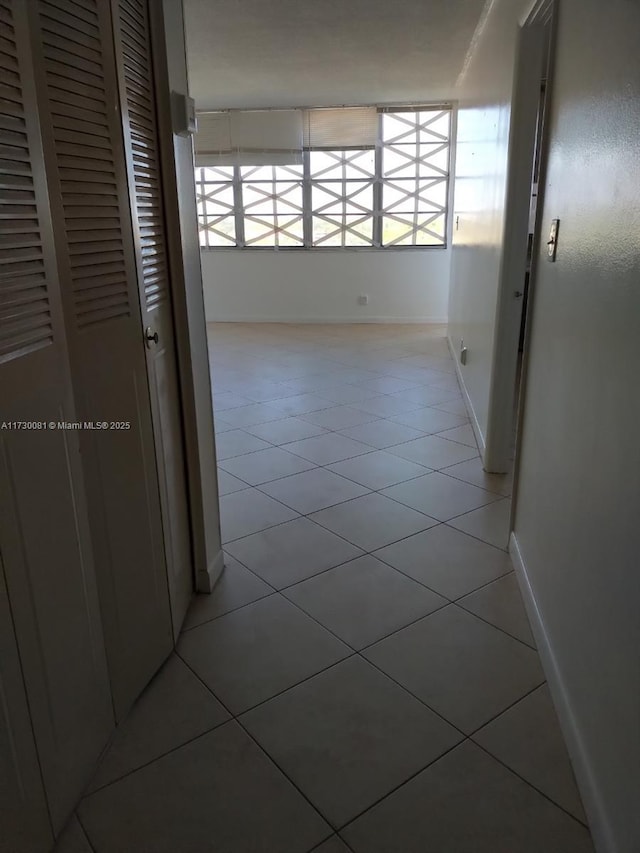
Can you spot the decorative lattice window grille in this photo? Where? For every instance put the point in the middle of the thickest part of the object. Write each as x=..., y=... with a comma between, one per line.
x=415, y=177
x=272, y=205
x=395, y=194
x=342, y=197
x=216, y=204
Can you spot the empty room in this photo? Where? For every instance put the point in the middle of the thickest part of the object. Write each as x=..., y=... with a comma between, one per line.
x=317, y=358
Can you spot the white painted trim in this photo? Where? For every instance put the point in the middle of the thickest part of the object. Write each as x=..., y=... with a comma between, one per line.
x=585, y=777
x=531, y=55
x=451, y=193
x=176, y=159
x=356, y=318
x=205, y=581
x=475, y=424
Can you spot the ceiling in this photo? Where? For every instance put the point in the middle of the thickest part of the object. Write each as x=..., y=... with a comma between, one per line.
x=285, y=53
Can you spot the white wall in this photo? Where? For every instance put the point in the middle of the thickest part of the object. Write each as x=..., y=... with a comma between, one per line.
x=484, y=113
x=323, y=286
x=578, y=497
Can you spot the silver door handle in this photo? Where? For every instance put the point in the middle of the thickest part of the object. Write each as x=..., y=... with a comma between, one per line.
x=151, y=337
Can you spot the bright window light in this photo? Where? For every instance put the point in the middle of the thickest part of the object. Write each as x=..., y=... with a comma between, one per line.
x=391, y=194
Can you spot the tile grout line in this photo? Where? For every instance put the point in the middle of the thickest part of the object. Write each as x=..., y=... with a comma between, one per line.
x=257, y=488
x=88, y=794
x=186, y=630
x=373, y=554
x=526, y=781
x=370, y=448
x=357, y=653
x=232, y=718
x=447, y=601
x=375, y=550
x=236, y=719
x=467, y=738
x=331, y=837
x=336, y=829
x=430, y=588
x=370, y=491
x=508, y=708
x=373, y=449
x=402, y=784
x=84, y=831
x=374, y=419
x=317, y=392
x=425, y=616
x=487, y=621
x=393, y=542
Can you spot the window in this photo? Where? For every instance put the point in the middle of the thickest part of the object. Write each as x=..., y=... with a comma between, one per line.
x=342, y=197
x=391, y=190
x=272, y=205
x=415, y=177
x=215, y=201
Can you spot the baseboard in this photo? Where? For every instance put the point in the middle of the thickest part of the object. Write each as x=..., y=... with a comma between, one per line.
x=600, y=828
x=206, y=580
x=475, y=424
x=356, y=318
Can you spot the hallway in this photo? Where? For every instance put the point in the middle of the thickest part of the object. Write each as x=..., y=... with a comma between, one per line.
x=363, y=677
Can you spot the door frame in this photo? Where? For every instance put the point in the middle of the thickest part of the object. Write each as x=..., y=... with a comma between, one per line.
x=167, y=410
x=188, y=305
x=534, y=52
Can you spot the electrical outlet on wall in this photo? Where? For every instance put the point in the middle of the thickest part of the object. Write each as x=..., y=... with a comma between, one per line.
x=363, y=299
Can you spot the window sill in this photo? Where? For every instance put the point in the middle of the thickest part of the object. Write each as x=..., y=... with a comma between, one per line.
x=300, y=249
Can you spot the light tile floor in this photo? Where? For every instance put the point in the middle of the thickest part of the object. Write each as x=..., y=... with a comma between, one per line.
x=363, y=678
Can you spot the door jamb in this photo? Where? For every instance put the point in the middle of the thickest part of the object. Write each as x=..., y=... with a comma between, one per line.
x=534, y=37
x=548, y=8
x=208, y=561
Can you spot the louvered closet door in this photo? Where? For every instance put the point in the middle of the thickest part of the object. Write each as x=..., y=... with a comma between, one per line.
x=44, y=533
x=140, y=127
x=89, y=196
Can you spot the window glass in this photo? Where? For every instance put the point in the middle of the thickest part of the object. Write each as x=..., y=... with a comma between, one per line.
x=393, y=195
x=415, y=164
x=272, y=205
x=215, y=202
x=342, y=197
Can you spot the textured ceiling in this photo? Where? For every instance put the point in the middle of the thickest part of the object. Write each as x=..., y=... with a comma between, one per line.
x=277, y=53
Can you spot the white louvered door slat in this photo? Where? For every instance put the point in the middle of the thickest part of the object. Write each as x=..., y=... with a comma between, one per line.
x=55, y=705
x=25, y=318
x=140, y=127
x=81, y=131
x=92, y=222
x=136, y=68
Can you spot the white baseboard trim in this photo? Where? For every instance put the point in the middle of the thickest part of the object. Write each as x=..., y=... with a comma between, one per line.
x=475, y=425
x=356, y=318
x=600, y=828
x=205, y=581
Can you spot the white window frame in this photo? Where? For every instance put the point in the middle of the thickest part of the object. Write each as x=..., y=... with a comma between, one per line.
x=207, y=222
x=378, y=211
x=341, y=188
x=436, y=176
x=267, y=189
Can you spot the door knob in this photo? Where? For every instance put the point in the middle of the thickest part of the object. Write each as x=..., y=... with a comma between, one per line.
x=151, y=337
